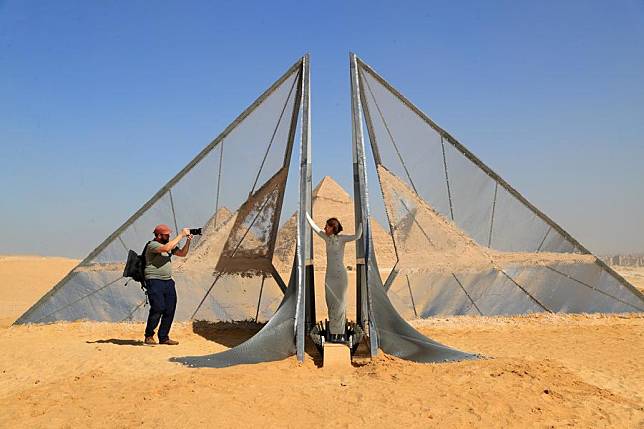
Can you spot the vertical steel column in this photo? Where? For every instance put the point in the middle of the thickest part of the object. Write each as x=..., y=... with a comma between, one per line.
x=361, y=210
x=309, y=285
x=305, y=307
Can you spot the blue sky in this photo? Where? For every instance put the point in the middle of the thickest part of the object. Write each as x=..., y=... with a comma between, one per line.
x=549, y=94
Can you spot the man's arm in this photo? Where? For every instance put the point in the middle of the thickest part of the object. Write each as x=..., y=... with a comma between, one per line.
x=184, y=250
x=172, y=243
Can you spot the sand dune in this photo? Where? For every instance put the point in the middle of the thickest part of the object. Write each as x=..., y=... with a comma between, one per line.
x=542, y=371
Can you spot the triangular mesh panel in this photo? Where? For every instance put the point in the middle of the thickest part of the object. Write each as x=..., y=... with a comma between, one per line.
x=466, y=241
x=219, y=190
x=249, y=247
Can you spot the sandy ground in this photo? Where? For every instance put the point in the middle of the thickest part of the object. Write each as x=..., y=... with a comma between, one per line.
x=542, y=371
x=25, y=279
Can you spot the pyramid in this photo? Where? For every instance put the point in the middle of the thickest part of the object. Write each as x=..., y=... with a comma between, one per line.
x=331, y=200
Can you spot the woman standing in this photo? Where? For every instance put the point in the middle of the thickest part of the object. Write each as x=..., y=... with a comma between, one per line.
x=335, y=280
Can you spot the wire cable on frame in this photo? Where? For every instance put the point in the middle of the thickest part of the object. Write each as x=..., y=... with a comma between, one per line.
x=467, y=294
x=232, y=255
x=449, y=192
x=79, y=299
x=384, y=122
x=270, y=143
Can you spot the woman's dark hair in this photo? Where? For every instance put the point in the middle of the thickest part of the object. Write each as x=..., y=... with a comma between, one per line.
x=335, y=224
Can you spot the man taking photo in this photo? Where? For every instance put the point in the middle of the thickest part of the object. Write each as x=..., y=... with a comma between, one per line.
x=159, y=283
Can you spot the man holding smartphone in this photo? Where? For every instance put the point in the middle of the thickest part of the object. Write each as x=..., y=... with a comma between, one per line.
x=159, y=283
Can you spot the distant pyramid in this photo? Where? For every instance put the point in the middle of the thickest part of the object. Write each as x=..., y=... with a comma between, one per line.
x=331, y=200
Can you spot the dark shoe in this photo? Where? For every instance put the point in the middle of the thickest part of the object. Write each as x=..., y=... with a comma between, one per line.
x=169, y=342
x=150, y=341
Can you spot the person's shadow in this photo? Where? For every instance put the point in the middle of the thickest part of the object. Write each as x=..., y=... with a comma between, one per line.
x=118, y=342
x=229, y=334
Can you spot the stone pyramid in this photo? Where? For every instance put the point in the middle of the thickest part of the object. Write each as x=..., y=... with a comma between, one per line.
x=331, y=200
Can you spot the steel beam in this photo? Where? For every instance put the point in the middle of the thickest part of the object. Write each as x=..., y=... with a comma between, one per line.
x=361, y=209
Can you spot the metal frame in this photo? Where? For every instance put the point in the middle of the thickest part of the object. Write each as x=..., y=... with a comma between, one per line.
x=165, y=188
x=361, y=65
x=280, y=200
x=305, y=304
x=297, y=103
x=284, y=334
x=364, y=304
x=386, y=328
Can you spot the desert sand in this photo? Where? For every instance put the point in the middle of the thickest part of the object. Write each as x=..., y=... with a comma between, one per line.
x=540, y=371
x=25, y=279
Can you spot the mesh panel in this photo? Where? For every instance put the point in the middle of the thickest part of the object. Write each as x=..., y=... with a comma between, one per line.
x=445, y=178
x=79, y=299
x=238, y=298
x=404, y=145
x=560, y=293
x=472, y=193
x=496, y=293
x=466, y=242
x=554, y=242
x=516, y=228
x=234, y=191
x=250, y=244
x=396, y=336
x=195, y=196
x=441, y=295
x=273, y=342
x=138, y=232
x=425, y=239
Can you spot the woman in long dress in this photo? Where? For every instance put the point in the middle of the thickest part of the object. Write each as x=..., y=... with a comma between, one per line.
x=335, y=279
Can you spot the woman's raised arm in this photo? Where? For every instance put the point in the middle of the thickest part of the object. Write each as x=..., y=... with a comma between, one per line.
x=353, y=237
x=316, y=228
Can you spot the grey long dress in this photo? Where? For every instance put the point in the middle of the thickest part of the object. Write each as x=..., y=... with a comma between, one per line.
x=335, y=280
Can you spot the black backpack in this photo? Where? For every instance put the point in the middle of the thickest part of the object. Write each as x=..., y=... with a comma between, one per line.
x=135, y=266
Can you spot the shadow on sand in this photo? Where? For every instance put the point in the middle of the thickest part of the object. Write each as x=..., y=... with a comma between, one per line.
x=229, y=334
x=232, y=334
x=118, y=342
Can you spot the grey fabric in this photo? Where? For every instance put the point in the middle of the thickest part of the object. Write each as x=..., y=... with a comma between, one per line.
x=397, y=337
x=274, y=342
x=335, y=293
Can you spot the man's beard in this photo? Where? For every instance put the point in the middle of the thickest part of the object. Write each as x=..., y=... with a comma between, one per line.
x=164, y=240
